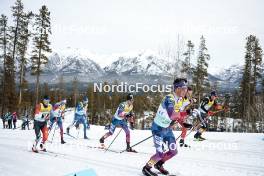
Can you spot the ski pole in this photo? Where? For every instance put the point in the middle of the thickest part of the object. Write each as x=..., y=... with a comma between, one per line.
x=138, y=143
x=113, y=140
x=53, y=133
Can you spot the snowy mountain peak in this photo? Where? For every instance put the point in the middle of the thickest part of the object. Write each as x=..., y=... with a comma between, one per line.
x=146, y=63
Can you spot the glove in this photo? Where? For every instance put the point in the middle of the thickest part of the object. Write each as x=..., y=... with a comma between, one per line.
x=187, y=125
x=211, y=113
x=129, y=115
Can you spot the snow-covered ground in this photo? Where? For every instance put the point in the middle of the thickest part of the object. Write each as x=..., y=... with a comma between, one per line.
x=223, y=154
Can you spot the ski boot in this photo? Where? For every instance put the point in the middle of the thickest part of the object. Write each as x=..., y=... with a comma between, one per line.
x=147, y=171
x=159, y=166
x=198, y=137
x=182, y=144
x=102, y=145
x=85, y=137
x=62, y=141
x=201, y=138
x=42, y=147
x=129, y=149
x=34, y=148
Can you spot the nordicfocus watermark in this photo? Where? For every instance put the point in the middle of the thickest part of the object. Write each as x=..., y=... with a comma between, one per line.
x=125, y=87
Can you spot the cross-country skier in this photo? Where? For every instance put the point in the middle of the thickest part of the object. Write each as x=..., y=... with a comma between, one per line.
x=56, y=117
x=42, y=114
x=4, y=117
x=186, y=110
x=120, y=118
x=80, y=116
x=25, y=122
x=204, y=110
x=14, y=117
x=167, y=114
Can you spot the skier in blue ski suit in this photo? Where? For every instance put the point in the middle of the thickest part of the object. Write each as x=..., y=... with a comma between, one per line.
x=80, y=116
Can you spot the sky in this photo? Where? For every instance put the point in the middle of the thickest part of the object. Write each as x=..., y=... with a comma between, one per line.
x=108, y=27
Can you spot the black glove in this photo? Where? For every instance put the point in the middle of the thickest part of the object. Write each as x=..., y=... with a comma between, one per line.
x=187, y=125
x=129, y=115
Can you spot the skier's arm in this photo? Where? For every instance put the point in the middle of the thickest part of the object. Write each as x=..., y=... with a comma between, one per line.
x=169, y=105
x=205, y=101
x=121, y=112
x=217, y=105
x=37, y=109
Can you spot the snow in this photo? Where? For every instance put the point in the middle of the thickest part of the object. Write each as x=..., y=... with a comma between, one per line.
x=223, y=154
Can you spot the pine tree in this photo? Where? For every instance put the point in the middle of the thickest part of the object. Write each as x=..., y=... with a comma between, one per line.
x=61, y=93
x=10, y=87
x=75, y=88
x=22, y=47
x=18, y=15
x=200, y=72
x=251, y=75
x=186, y=64
x=4, y=40
x=41, y=44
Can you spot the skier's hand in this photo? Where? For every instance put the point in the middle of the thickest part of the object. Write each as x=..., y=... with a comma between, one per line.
x=187, y=125
x=211, y=113
x=129, y=115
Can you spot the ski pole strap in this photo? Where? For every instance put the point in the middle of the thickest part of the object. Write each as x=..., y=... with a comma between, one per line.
x=138, y=143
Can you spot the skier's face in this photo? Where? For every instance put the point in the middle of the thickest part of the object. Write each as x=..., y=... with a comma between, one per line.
x=213, y=97
x=46, y=102
x=130, y=102
x=181, y=91
x=189, y=93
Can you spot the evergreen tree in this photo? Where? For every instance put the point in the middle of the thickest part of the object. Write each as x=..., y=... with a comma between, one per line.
x=61, y=90
x=22, y=47
x=18, y=15
x=10, y=87
x=200, y=72
x=41, y=44
x=251, y=75
x=4, y=40
x=186, y=64
x=75, y=88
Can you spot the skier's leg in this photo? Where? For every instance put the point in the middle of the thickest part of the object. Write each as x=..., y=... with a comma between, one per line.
x=170, y=140
x=183, y=135
x=38, y=135
x=203, y=126
x=52, y=120
x=124, y=126
x=158, y=142
x=83, y=121
x=71, y=125
x=59, y=122
x=110, y=132
x=44, y=131
x=28, y=125
x=75, y=119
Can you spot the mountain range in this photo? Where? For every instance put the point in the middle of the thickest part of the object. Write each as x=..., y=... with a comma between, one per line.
x=144, y=67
